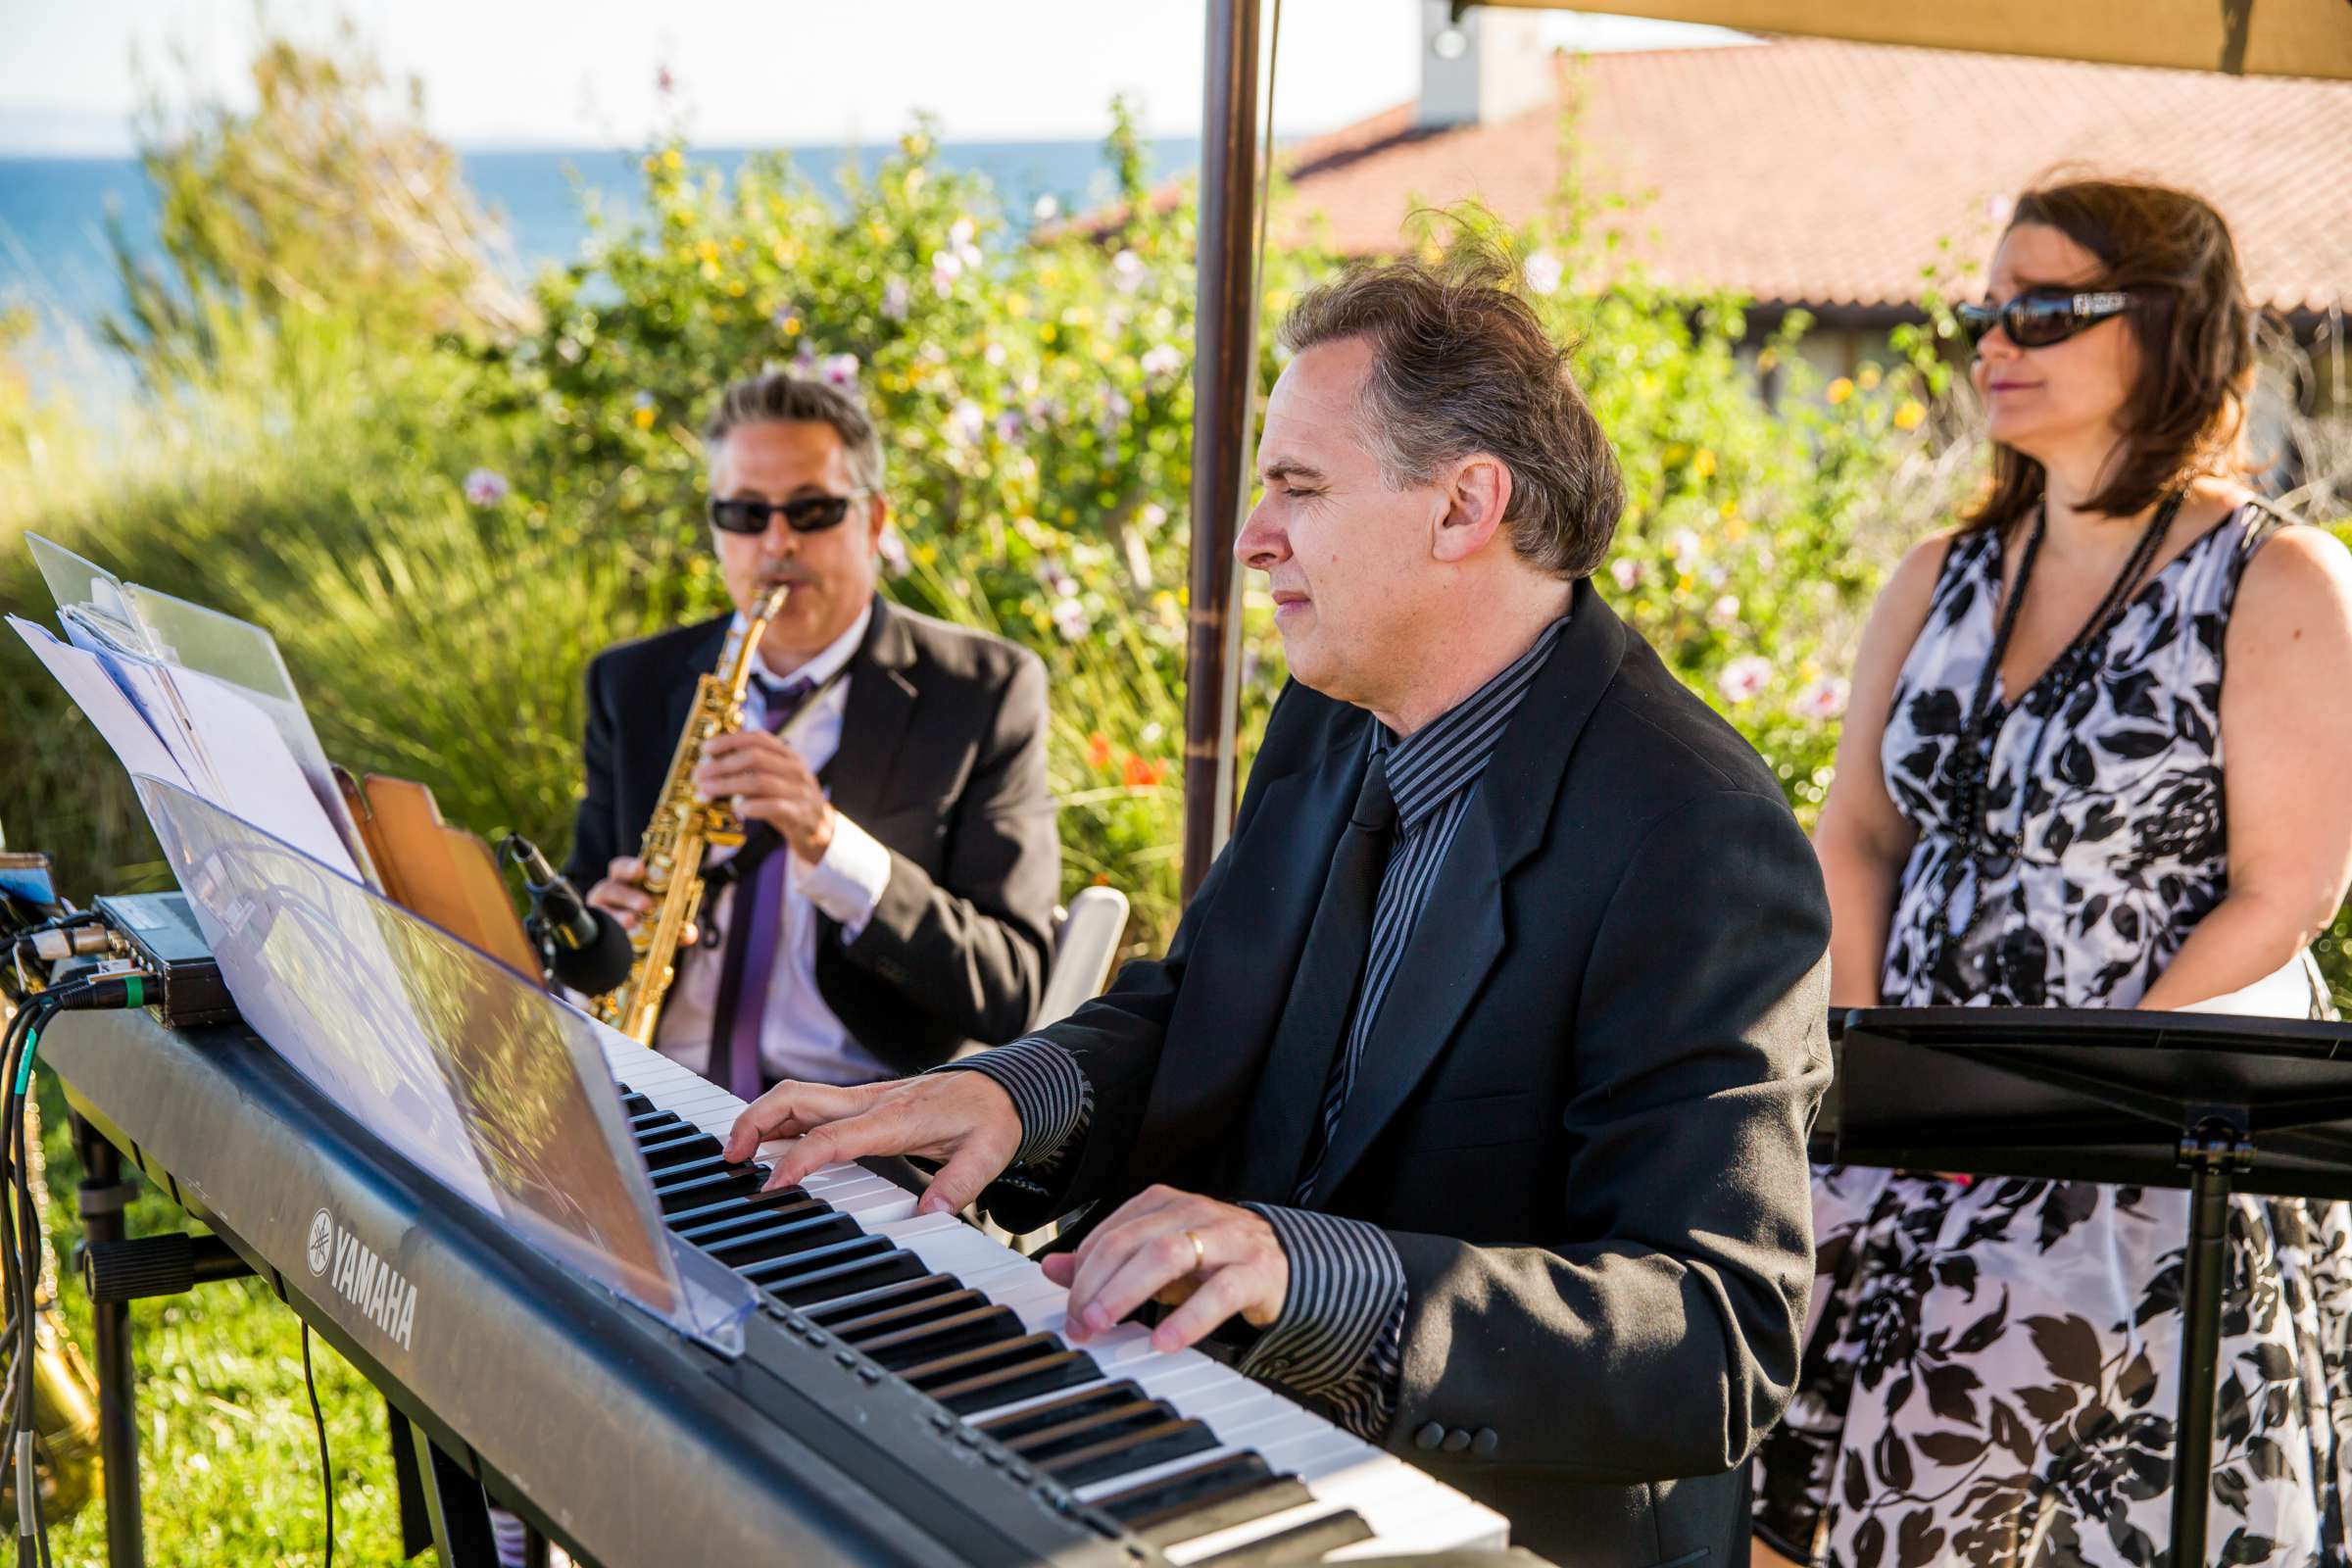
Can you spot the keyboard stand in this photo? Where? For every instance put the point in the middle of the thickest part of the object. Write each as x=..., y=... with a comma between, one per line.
x=2205, y=1101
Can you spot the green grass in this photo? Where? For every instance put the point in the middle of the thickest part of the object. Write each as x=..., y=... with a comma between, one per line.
x=229, y=1458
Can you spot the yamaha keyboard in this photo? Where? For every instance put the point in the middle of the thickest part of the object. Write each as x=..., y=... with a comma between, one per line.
x=903, y=1392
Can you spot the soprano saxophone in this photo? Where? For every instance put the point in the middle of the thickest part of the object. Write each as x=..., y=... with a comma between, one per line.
x=684, y=828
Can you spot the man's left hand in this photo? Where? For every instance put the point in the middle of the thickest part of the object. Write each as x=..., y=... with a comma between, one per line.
x=767, y=781
x=1208, y=1259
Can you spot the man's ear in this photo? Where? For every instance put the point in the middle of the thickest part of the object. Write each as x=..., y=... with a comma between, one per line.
x=1476, y=493
x=878, y=520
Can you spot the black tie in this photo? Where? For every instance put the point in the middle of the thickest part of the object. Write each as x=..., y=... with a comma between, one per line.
x=1285, y=1131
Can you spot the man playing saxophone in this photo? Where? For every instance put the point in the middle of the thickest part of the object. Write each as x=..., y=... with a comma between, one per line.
x=894, y=896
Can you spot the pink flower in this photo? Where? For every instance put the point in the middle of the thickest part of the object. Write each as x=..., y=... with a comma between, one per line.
x=1127, y=271
x=1071, y=619
x=1683, y=545
x=1163, y=362
x=1542, y=271
x=1008, y=426
x=1745, y=678
x=966, y=424
x=1724, y=612
x=486, y=487
x=1625, y=572
x=896, y=298
x=1823, y=699
x=841, y=370
x=892, y=551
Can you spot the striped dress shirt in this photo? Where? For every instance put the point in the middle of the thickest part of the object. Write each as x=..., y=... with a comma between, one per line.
x=1339, y=1341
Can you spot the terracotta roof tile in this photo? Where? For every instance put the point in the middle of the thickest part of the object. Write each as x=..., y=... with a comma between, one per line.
x=1821, y=172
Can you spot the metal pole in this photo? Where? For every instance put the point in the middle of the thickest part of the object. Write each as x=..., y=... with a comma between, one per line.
x=2205, y=1271
x=1225, y=325
x=103, y=1196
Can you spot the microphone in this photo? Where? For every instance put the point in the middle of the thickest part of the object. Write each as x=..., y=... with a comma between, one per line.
x=583, y=947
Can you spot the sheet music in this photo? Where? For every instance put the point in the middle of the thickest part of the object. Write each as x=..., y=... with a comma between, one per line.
x=102, y=701
x=201, y=720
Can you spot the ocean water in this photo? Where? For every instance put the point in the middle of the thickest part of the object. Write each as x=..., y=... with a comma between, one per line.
x=54, y=214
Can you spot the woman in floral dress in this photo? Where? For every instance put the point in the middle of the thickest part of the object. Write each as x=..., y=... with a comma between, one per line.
x=2099, y=754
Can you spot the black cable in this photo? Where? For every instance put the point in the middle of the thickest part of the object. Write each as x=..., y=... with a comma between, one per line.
x=21, y=1229
x=326, y=1469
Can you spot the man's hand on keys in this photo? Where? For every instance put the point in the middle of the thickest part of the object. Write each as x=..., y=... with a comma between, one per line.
x=962, y=1119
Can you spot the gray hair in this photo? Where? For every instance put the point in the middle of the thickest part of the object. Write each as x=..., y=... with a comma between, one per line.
x=1460, y=364
x=780, y=397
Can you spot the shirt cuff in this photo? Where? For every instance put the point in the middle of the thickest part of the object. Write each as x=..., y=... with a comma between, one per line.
x=1341, y=1325
x=1050, y=1092
x=849, y=882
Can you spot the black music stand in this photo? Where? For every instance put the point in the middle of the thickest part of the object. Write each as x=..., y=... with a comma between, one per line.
x=2203, y=1100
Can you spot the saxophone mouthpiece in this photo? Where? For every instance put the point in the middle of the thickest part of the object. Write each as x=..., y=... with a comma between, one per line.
x=771, y=605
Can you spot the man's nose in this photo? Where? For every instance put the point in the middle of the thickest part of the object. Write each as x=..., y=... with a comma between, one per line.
x=1261, y=543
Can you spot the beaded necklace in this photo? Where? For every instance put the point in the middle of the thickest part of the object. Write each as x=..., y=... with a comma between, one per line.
x=1971, y=754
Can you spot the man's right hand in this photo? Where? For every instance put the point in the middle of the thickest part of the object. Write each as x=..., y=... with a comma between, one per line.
x=621, y=893
x=964, y=1120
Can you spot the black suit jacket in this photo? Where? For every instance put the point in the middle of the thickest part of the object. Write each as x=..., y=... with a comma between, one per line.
x=1581, y=1116
x=942, y=759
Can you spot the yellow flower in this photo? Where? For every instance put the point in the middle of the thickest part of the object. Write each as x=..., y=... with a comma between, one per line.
x=792, y=327
x=1018, y=305
x=1704, y=464
x=707, y=250
x=1047, y=333
x=1736, y=529
x=1841, y=389
x=1909, y=415
x=735, y=286
x=1868, y=376
x=643, y=416
x=671, y=158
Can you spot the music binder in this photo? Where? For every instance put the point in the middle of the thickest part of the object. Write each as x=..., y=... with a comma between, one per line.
x=443, y=873
x=2205, y=1101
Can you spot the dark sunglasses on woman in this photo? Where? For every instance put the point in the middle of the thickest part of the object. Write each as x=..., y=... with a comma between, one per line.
x=2040, y=317
x=802, y=513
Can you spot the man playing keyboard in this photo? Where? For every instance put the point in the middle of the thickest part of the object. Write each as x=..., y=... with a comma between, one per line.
x=1468, y=1104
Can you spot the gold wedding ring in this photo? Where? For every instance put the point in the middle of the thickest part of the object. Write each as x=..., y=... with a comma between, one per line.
x=1199, y=1252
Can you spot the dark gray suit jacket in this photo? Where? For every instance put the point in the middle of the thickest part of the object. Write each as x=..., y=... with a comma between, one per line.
x=942, y=759
x=1581, y=1116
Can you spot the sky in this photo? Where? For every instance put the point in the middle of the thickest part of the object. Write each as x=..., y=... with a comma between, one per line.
x=583, y=72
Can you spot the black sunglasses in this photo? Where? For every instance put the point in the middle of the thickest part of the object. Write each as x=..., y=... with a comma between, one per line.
x=802, y=513
x=2040, y=317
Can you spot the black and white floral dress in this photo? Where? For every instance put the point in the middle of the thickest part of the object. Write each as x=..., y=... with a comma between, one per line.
x=1991, y=1370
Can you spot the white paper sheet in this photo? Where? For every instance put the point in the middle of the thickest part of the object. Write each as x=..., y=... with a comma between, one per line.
x=215, y=744
x=95, y=693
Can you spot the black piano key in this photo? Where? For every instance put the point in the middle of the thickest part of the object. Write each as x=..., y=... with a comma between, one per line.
x=1301, y=1543
x=842, y=1279
x=1239, y=1507
x=695, y=1224
x=790, y=1239
x=982, y=1325
x=632, y=1104
x=1197, y=1492
x=1120, y=1396
x=1129, y=1452
x=685, y=1164
x=703, y=1191
x=758, y=1216
x=693, y=1151
x=864, y=1302
x=906, y=1314
x=777, y=1271
x=1001, y=1381
x=1121, y=1413
x=657, y=1124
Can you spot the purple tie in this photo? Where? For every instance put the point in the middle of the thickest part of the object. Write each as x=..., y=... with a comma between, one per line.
x=760, y=907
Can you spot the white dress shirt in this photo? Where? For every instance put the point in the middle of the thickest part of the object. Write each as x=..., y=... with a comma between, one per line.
x=800, y=1038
